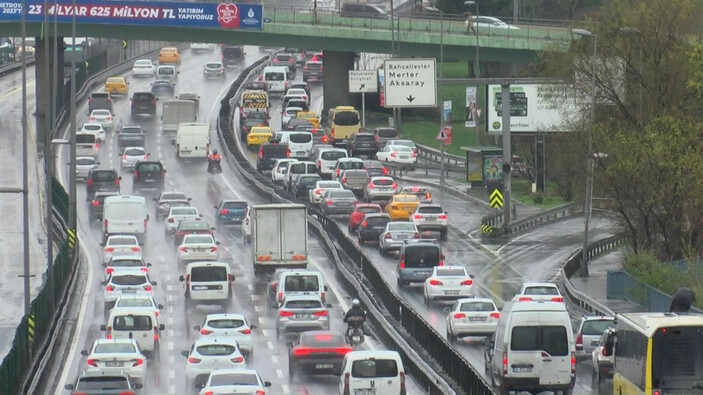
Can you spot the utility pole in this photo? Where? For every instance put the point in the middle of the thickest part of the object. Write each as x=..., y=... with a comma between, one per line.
x=25, y=177
x=507, y=156
x=48, y=212
x=72, y=220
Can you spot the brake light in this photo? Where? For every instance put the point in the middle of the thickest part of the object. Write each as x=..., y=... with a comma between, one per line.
x=170, y=220
x=108, y=333
x=443, y=216
x=364, y=223
x=332, y=132
x=557, y=299
x=459, y=315
x=184, y=249
x=320, y=313
x=305, y=67
x=205, y=331
x=245, y=331
x=393, y=154
x=402, y=382
x=319, y=164
x=135, y=249
x=412, y=154
x=579, y=341
x=427, y=195
x=275, y=60
x=573, y=363
x=494, y=314
x=147, y=287
x=280, y=297
x=417, y=216
x=92, y=362
x=416, y=235
x=209, y=392
x=105, y=224
x=505, y=362
x=109, y=270
x=346, y=382
x=466, y=282
x=402, y=261
x=238, y=359
x=109, y=249
x=91, y=118
x=138, y=362
x=344, y=179
x=90, y=182
x=109, y=288
x=435, y=282
x=153, y=102
x=524, y=298
x=187, y=280
x=370, y=186
x=324, y=139
x=328, y=201
x=109, y=118
x=144, y=157
x=223, y=211
x=143, y=269
x=394, y=185
x=602, y=351
x=213, y=248
x=385, y=171
x=337, y=172
x=193, y=360
x=284, y=313
x=261, y=152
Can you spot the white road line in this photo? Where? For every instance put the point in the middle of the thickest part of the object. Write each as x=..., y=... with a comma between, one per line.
x=274, y=358
x=162, y=258
x=257, y=308
x=171, y=389
x=269, y=344
x=261, y=321
x=285, y=388
x=172, y=374
x=169, y=297
x=170, y=346
x=169, y=320
x=250, y=286
x=279, y=373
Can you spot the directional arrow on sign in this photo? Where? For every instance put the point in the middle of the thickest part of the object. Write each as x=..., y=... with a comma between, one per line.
x=441, y=135
x=496, y=199
x=361, y=87
x=410, y=98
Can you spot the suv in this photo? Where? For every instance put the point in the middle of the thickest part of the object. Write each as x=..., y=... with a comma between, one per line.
x=416, y=260
x=148, y=175
x=99, y=101
x=233, y=56
x=362, y=143
x=88, y=381
x=208, y=283
x=269, y=153
x=96, y=205
x=384, y=135
x=590, y=329
x=285, y=59
x=102, y=180
x=430, y=217
x=143, y=103
x=312, y=71
x=130, y=136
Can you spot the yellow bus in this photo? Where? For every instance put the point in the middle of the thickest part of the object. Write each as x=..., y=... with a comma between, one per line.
x=343, y=121
x=658, y=354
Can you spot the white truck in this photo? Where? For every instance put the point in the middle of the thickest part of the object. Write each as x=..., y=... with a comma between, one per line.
x=279, y=237
x=192, y=140
x=177, y=111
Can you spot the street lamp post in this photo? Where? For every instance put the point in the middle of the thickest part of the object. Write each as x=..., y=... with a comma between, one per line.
x=588, y=201
x=72, y=220
x=477, y=68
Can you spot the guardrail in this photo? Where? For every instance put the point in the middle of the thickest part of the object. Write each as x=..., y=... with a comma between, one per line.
x=451, y=161
x=622, y=285
x=11, y=67
x=422, y=347
x=496, y=220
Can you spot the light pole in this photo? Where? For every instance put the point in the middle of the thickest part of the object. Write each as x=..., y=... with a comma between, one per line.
x=588, y=201
x=477, y=69
x=25, y=178
x=72, y=220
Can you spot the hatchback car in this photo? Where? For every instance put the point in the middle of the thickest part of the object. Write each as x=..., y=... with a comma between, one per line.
x=417, y=260
x=130, y=136
x=539, y=291
x=191, y=227
x=102, y=180
x=143, y=68
x=338, y=201
x=84, y=164
x=380, y=189
x=397, y=154
x=126, y=282
x=208, y=354
x=94, y=127
x=371, y=227
x=395, y=235
x=229, y=325
x=102, y=117
x=304, y=184
x=121, y=245
x=431, y=217
x=405, y=143
x=383, y=135
x=602, y=359
x=131, y=156
x=197, y=248
x=360, y=210
x=588, y=333
x=375, y=168
x=230, y=212
x=320, y=188
x=97, y=382
x=301, y=313
x=178, y=214
x=143, y=103
x=170, y=199
x=115, y=356
x=362, y=144
x=422, y=193
x=235, y=381
x=472, y=317
x=116, y=85
x=214, y=70
x=317, y=352
x=448, y=282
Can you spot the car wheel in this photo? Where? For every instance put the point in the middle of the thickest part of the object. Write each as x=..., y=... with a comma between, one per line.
x=381, y=251
x=400, y=284
x=291, y=371
x=248, y=237
x=278, y=333
x=450, y=338
x=360, y=239
x=567, y=391
x=428, y=301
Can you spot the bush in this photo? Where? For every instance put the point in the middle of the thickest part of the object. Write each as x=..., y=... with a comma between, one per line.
x=665, y=276
x=538, y=198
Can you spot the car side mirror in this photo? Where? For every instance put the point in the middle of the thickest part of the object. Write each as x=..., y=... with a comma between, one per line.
x=396, y=257
x=147, y=217
x=103, y=328
x=70, y=386
x=500, y=309
x=181, y=278
x=200, y=215
x=84, y=352
x=252, y=326
x=213, y=228
x=196, y=328
x=189, y=199
x=153, y=283
x=471, y=275
x=119, y=178
x=325, y=288
x=442, y=257
x=163, y=171
x=104, y=265
x=148, y=264
x=184, y=353
x=148, y=154
x=267, y=383
x=217, y=243
x=215, y=207
x=289, y=344
x=138, y=386
x=231, y=277
x=102, y=244
x=103, y=282
x=160, y=306
x=162, y=327
x=329, y=306
x=173, y=142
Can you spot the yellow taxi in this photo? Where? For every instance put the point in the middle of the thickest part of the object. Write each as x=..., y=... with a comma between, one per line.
x=258, y=135
x=169, y=55
x=401, y=206
x=116, y=85
x=310, y=116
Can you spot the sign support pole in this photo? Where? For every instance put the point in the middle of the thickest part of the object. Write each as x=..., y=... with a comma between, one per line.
x=363, y=110
x=441, y=177
x=507, y=156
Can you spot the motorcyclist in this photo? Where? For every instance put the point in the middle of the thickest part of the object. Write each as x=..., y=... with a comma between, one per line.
x=213, y=161
x=355, y=311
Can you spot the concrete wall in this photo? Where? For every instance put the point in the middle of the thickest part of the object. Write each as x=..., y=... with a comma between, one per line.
x=336, y=80
x=43, y=97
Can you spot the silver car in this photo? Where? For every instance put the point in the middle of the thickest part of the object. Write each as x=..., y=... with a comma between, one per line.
x=395, y=234
x=170, y=199
x=131, y=156
x=302, y=312
x=588, y=333
x=380, y=189
x=338, y=201
x=83, y=165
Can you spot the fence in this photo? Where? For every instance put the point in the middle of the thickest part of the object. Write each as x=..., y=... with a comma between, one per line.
x=622, y=285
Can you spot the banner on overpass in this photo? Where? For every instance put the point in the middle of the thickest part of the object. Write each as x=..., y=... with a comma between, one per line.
x=215, y=15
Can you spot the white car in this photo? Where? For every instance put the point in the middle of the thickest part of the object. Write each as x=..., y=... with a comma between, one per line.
x=472, y=317
x=124, y=245
x=198, y=247
x=405, y=143
x=229, y=325
x=95, y=128
x=125, y=262
x=246, y=227
x=315, y=194
x=130, y=281
x=489, y=22
x=196, y=47
x=138, y=301
x=448, y=282
x=288, y=114
x=208, y=354
x=84, y=164
x=178, y=214
x=235, y=381
x=131, y=156
x=298, y=92
x=397, y=154
x=279, y=169
x=115, y=356
x=143, y=68
x=103, y=117
x=538, y=291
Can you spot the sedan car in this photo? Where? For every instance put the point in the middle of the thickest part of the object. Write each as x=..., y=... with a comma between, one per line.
x=405, y=143
x=169, y=55
x=177, y=214
x=116, y=85
x=402, y=206
x=214, y=70
x=208, y=354
x=300, y=313
x=288, y=114
x=229, y=325
x=162, y=88
x=103, y=383
x=422, y=193
x=131, y=156
x=125, y=262
x=602, y=359
x=143, y=68
x=130, y=136
x=380, y=189
x=360, y=210
x=539, y=291
x=198, y=248
x=191, y=227
x=397, y=154
x=317, y=352
x=372, y=226
x=304, y=184
x=94, y=127
x=138, y=301
x=321, y=187
x=338, y=201
x=395, y=235
x=115, y=356
x=121, y=245
x=375, y=168
x=84, y=164
x=231, y=212
x=126, y=282
x=235, y=381
x=472, y=317
x=170, y=199
x=103, y=117
x=201, y=47
x=448, y=282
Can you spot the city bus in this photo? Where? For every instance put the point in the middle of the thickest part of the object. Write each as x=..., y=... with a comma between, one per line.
x=658, y=354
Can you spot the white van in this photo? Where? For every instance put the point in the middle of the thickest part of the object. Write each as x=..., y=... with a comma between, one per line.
x=86, y=144
x=372, y=372
x=177, y=111
x=276, y=78
x=135, y=323
x=208, y=282
x=300, y=282
x=533, y=348
x=125, y=214
x=299, y=144
x=167, y=72
x=192, y=140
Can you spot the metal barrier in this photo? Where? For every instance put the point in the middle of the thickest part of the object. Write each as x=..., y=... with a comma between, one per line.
x=622, y=285
x=595, y=249
x=421, y=334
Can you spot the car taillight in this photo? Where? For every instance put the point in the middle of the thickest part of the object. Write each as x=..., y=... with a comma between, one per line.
x=402, y=261
x=319, y=164
x=573, y=363
x=144, y=157
x=184, y=249
x=224, y=211
x=443, y=216
x=105, y=224
x=427, y=195
x=170, y=220
x=344, y=179
x=193, y=360
x=109, y=249
x=138, y=362
x=337, y=172
x=385, y=171
x=466, y=282
x=109, y=288
x=317, y=191
x=90, y=182
x=332, y=132
x=370, y=186
x=213, y=248
x=153, y=102
x=346, y=382
x=505, y=362
x=494, y=314
x=147, y=287
x=305, y=67
x=280, y=297
x=261, y=152
x=394, y=185
x=579, y=341
x=417, y=216
x=109, y=118
x=416, y=235
x=602, y=351
x=238, y=359
x=284, y=313
x=435, y=282
x=325, y=139
x=412, y=154
x=402, y=382
x=393, y=154
x=135, y=249
x=557, y=299
x=524, y=298
x=459, y=315
x=91, y=118
x=92, y=362
x=209, y=392
x=321, y=312
x=96, y=145
x=135, y=173
x=328, y=201
x=109, y=270
x=363, y=224
x=245, y=331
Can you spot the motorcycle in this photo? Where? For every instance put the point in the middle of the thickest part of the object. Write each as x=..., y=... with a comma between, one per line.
x=214, y=166
x=355, y=331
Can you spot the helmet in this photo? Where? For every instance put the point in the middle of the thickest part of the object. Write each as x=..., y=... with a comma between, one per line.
x=355, y=302
x=214, y=152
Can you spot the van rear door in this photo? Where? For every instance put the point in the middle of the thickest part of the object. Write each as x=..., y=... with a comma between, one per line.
x=376, y=375
x=555, y=349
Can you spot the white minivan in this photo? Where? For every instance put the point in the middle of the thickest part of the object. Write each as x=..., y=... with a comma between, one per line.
x=276, y=78
x=124, y=214
x=208, y=282
x=372, y=372
x=136, y=323
x=192, y=140
x=299, y=144
x=300, y=282
x=86, y=144
x=533, y=348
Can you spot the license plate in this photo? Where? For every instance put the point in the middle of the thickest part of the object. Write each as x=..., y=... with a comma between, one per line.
x=594, y=342
x=365, y=391
x=477, y=318
x=324, y=366
x=303, y=315
x=200, y=287
x=129, y=291
x=301, y=153
x=451, y=292
x=403, y=236
x=409, y=209
x=149, y=180
x=522, y=369
x=185, y=152
x=403, y=157
x=112, y=364
x=424, y=273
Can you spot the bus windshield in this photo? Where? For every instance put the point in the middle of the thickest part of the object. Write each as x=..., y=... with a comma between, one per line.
x=677, y=359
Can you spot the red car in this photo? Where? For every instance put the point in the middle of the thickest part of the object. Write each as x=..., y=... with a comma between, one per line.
x=361, y=209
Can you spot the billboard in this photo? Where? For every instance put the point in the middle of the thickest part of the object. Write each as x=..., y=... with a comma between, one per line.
x=533, y=108
x=161, y=13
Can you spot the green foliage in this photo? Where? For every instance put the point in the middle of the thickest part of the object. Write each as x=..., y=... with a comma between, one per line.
x=665, y=276
x=538, y=198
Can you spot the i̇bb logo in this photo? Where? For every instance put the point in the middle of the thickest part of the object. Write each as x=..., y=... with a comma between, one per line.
x=227, y=15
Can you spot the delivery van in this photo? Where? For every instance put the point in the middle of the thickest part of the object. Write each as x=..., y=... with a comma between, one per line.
x=177, y=111
x=125, y=214
x=193, y=140
x=276, y=78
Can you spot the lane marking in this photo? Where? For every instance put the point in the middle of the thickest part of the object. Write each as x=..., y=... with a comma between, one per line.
x=274, y=358
x=279, y=373
x=269, y=344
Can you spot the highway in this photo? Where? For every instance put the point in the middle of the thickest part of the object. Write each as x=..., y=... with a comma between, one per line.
x=167, y=370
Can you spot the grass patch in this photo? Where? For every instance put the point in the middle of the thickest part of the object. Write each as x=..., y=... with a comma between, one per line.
x=522, y=192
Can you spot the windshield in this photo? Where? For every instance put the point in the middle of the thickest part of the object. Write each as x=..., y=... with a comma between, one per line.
x=387, y=133
x=141, y=302
x=114, y=348
x=333, y=155
x=541, y=291
x=226, y=323
x=134, y=152
x=303, y=304
x=126, y=263
x=431, y=210
x=85, y=161
x=128, y=279
x=551, y=339
x=198, y=239
x=477, y=306
x=85, y=138
x=220, y=379
x=371, y=368
x=451, y=272
x=301, y=283
x=596, y=327
x=132, y=323
x=421, y=256
x=300, y=138
x=208, y=274
x=346, y=118
x=677, y=359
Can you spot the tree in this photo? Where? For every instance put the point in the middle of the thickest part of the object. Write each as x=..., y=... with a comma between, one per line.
x=647, y=131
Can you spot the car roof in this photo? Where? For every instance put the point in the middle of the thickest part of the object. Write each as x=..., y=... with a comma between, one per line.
x=365, y=354
x=219, y=316
x=206, y=264
x=315, y=297
x=475, y=300
x=536, y=284
x=228, y=340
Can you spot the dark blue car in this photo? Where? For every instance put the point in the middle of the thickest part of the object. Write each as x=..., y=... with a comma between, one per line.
x=231, y=212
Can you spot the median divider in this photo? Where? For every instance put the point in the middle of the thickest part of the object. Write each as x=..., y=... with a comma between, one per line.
x=432, y=361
